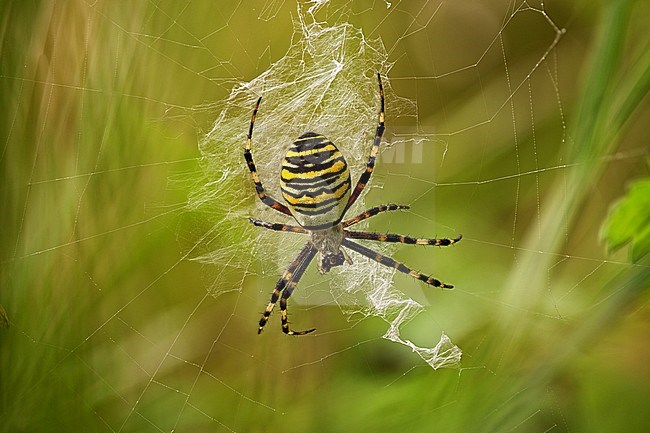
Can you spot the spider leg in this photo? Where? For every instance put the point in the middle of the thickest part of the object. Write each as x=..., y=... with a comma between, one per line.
x=372, y=212
x=389, y=237
x=365, y=176
x=277, y=227
x=283, y=311
x=259, y=188
x=285, y=287
x=387, y=261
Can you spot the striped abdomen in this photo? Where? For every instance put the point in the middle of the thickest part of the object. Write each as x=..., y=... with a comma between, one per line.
x=315, y=181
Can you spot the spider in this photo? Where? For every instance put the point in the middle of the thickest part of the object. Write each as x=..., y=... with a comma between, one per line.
x=316, y=186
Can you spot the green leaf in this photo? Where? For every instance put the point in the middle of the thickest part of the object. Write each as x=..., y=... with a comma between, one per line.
x=629, y=221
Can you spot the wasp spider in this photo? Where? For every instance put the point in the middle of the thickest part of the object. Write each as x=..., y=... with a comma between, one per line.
x=315, y=183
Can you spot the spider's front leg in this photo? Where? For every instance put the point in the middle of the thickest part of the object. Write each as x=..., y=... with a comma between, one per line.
x=285, y=287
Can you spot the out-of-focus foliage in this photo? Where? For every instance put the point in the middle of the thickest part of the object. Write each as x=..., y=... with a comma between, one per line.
x=629, y=221
x=529, y=123
x=4, y=320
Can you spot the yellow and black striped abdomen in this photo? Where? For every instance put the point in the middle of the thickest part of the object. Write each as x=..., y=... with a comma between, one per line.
x=315, y=181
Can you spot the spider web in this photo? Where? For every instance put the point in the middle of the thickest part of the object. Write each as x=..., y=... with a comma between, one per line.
x=132, y=282
x=320, y=74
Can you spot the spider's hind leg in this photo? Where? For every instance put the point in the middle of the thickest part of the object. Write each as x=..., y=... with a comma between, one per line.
x=259, y=188
x=374, y=151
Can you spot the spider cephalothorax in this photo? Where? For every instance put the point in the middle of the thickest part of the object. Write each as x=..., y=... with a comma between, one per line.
x=328, y=243
x=315, y=183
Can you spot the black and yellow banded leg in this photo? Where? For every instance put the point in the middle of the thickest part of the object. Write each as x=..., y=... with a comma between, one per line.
x=387, y=261
x=372, y=212
x=288, y=281
x=277, y=227
x=286, y=293
x=259, y=188
x=389, y=237
x=365, y=176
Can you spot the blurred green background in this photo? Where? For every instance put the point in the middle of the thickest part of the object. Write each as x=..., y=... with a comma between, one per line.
x=536, y=122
